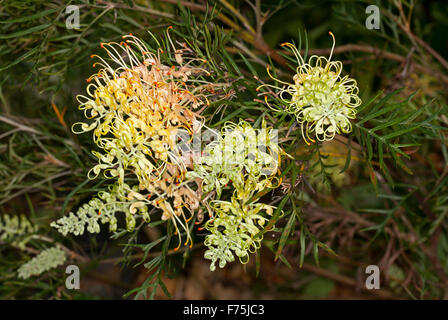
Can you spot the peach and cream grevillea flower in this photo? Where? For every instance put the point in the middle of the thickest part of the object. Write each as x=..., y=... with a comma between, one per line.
x=136, y=110
x=322, y=100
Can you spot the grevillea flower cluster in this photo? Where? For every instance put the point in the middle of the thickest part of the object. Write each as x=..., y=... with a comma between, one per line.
x=136, y=110
x=321, y=99
x=234, y=231
x=248, y=161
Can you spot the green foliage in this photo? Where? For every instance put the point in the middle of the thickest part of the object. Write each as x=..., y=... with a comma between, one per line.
x=376, y=195
x=102, y=209
x=390, y=127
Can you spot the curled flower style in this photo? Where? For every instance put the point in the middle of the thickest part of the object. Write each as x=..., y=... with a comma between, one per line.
x=234, y=231
x=322, y=100
x=137, y=110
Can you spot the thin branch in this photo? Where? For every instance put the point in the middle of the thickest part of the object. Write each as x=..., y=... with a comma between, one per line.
x=379, y=53
x=136, y=8
x=238, y=15
x=248, y=36
x=151, y=254
x=415, y=39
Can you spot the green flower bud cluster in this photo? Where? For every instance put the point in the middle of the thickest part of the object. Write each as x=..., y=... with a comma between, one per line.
x=46, y=260
x=102, y=210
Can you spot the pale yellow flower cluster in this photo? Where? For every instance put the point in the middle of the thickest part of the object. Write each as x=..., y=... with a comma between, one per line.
x=321, y=99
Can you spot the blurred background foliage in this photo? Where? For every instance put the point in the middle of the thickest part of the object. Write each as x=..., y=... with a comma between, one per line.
x=377, y=196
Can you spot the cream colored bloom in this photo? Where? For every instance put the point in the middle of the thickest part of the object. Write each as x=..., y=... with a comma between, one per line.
x=322, y=100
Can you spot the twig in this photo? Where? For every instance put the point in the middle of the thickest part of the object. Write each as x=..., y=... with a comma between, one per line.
x=136, y=8
x=72, y=254
x=415, y=39
x=152, y=254
x=379, y=53
x=248, y=35
x=382, y=293
x=19, y=125
x=34, y=185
